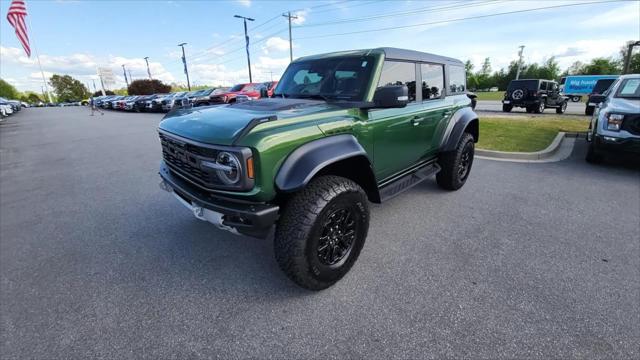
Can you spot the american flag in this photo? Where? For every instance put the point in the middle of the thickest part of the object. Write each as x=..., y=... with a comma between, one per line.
x=15, y=16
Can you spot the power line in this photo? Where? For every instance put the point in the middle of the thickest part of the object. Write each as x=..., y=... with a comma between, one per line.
x=457, y=19
x=429, y=9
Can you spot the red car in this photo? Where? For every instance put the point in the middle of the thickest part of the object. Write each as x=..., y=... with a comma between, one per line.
x=251, y=90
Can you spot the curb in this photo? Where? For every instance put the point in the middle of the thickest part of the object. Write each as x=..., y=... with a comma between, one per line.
x=536, y=155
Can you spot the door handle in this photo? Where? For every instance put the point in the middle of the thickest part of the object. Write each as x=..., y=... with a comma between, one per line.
x=415, y=121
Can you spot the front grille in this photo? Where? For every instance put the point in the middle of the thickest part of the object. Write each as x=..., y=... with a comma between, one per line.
x=631, y=123
x=185, y=159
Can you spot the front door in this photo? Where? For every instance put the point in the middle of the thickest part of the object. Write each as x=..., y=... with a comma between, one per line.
x=399, y=134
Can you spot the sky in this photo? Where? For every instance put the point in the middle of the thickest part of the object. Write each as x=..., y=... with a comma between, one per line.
x=77, y=37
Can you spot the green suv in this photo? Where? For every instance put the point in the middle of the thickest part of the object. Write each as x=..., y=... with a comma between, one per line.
x=341, y=129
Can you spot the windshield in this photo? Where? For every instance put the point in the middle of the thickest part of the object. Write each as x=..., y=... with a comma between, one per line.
x=602, y=86
x=237, y=87
x=629, y=89
x=340, y=78
x=524, y=84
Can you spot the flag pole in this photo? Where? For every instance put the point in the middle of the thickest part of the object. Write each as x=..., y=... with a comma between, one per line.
x=35, y=49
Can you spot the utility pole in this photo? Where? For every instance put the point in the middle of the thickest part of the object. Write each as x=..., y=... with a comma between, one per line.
x=94, y=86
x=148, y=71
x=519, y=61
x=246, y=38
x=102, y=85
x=184, y=61
x=130, y=77
x=289, y=17
x=627, y=59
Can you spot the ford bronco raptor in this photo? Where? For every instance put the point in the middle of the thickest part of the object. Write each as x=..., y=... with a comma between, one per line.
x=534, y=95
x=340, y=130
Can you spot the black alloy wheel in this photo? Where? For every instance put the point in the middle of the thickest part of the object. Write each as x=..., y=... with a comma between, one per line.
x=337, y=236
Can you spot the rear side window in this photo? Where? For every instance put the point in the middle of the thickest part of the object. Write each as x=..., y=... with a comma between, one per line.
x=432, y=81
x=543, y=85
x=457, y=79
x=399, y=73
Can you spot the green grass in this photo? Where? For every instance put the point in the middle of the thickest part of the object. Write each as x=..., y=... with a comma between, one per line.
x=495, y=95
x=525, y=133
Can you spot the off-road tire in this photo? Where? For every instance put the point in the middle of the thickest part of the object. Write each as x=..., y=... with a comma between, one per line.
x=301, y=225
x=588, y=110
x=562, y=108
x=593, y=156
x=507, y=107
x=576, y=98
x=539, y=108
x=449, y=177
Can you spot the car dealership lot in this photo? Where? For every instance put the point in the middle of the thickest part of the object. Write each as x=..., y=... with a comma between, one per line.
x=527, y=260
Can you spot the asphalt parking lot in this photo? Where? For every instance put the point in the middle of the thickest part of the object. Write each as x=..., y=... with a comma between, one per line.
x=489, y=106
x=525, y=261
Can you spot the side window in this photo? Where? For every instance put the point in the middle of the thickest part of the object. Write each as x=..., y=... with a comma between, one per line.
x=457, y=79
x=432, y=81
x=553, y=86
x=399, y=73
x=543, y=85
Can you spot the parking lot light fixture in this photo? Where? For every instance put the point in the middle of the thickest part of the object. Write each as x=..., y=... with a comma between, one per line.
x=246, y=38
x=184, y=61
x=148, y=71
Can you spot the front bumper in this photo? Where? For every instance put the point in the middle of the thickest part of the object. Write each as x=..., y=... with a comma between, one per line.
x=521, y=103
x=248, y=218
x=617, y=144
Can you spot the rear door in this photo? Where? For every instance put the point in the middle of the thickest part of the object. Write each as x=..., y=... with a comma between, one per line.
x=435, y=108
x=553, y=93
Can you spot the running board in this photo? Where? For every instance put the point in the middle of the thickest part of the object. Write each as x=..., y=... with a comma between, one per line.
x=408, y=181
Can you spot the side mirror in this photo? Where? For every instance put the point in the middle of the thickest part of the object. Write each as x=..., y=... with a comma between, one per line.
x=391, y=96
x=264, y=93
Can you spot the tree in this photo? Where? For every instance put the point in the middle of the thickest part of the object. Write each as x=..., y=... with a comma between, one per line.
x=634, y=63
x=549, y=70
x=33, y=98
x=148, y=87
x=106, y=92
x=483, y=77
x=67, y=88
x=601, y=66
x=7, y=90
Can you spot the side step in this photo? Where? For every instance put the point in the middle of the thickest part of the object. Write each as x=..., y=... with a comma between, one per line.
x=408, y=181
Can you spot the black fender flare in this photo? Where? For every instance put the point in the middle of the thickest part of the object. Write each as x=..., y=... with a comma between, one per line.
x=460, y=120
x=307, y=160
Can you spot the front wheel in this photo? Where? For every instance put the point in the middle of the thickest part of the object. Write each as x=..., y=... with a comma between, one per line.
x=456, y=165
x=539, y=108
x=321, y=232
x=589, y=110
x=593, y=156
x=507, y=107
x=562, y=108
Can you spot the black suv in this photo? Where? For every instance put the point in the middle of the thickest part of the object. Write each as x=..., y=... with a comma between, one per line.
x=597, y=95
x=534, y=95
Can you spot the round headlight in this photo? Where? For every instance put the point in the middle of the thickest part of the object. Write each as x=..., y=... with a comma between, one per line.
x=231, y=174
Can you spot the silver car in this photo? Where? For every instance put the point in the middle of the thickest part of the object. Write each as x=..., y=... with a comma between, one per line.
x=615, y=125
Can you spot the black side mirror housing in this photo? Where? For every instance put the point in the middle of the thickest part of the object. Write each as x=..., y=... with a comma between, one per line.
x=264, y=93
x=391, y=96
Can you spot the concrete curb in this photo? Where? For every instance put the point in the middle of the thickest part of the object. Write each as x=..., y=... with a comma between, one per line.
x=536, y=155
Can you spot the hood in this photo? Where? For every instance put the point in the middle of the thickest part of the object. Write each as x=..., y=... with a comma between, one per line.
x=623, y=105
x=223, y=123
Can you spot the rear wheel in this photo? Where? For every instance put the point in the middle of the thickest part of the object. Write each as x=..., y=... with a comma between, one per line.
x=507, y=107
x=456, y=165
x=576, y=98
x=321, y=232
x=562, y=108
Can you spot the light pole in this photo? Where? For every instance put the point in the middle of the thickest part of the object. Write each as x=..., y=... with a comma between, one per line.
x=148, y=71
x=184, y=61
x=124, y=71
x=246, y=38
x=288, y=16
x=627, y=59
x=519, y=61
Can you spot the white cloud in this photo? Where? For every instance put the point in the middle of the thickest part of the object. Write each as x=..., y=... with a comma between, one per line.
x=625, y=14
x=275, y=43
x=301, y=17
x=245, y=3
